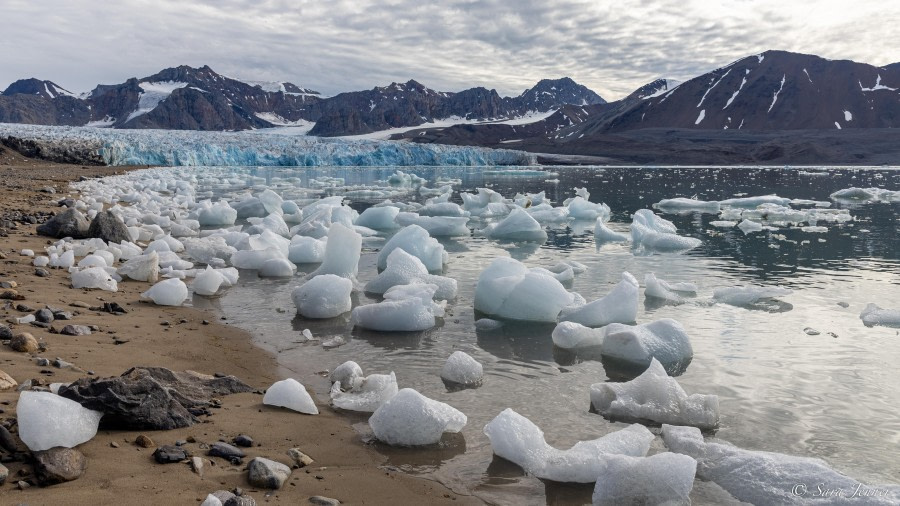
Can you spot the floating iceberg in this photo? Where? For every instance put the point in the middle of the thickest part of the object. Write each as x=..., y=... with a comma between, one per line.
x=403, y=269
x=342, y=253
x=324, y=296
x=365, y=394
x=657, y=397
x=873, y=315
x=757, y=477
x=752, y=202
x=571, y=335
x=748, y=295
x=663, y=340
x=437, y=226
x=47, y=420
x=416, y=241
x=661, y=289
x=618, y=306
x=517, y=226
x=378, y=218
x=517, y=439
x=867, y=194
x=406, y=308
x=651, y=233
x=307, y=250
x=291, y=394
x=581, y=209
x=681, y=204
x=603, y=233
x=411, y=419
x=508, y=289
x=462, y=369
x=663, y=479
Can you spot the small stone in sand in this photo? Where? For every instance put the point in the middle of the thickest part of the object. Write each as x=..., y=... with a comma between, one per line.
x=41, y=272
x=226, y=451
x=243, y=440
x=24, y=342
x=75, y=330
x=144, y=441
x=4, y=473
x=5, y=332
x=113, y=444
x=169, y=454
x=265, y=473
x=58, y=465
x=300, y=459
x=7, y=382
x=319, y=500
x=197, y=465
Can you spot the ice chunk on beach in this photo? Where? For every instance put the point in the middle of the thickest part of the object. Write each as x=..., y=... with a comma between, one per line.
x=415, y=241
x=662, y=289
x=65, y=260
x=681, y=204
x=517, y=439
x=619, y=305
x=657, y=397
x=215, y=215
x=508, y=289
x=46, y=420
x=170, y=292
x=664, y=340
x=141, y=268
x=347, y=375
x=517, y=226
x=92, y=261
x=651, y=233
x=403, y=268
x=207, y=282
x=406, y=308
x=571, y=335
x=662, y=479
x=291, y=394
x=378, y=218
x=365, y=395
x=94, y=277
x=462, y=369
x=208, y=250
x=757, y=477
x=873, y=315
x=411, y=419
x=602, y=233
x=324, y=296
x=342, y=253
x=748, y=295
x=277, y=268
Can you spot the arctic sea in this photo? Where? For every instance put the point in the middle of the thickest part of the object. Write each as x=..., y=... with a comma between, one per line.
x=800, y=374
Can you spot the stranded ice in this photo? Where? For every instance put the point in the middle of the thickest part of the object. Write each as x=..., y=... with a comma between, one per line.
x=47, y=420
x=171, y=292
x=324, y=296
x=291, y=394
x=411, y=419
x=462, y=369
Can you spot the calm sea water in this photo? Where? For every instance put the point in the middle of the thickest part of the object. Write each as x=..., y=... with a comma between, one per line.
x=833, y=395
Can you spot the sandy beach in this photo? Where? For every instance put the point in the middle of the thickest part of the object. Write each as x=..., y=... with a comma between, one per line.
x=179, y=338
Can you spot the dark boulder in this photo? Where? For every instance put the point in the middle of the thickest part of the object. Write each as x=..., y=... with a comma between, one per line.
x=70, y=223
x=109, y=227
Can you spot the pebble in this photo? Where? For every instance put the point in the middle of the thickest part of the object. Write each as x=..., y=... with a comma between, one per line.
x=7, y=382
x=24, y=342
x=811, y=331
x=4, y=473
x=197, y=465
x=265, y=473
x=78, y=303
x=41, y=272
x=58, y=465
x=144, y=441
x=7, y=284
x=323, y=501
x=843, y=304
x=243, y=440
x=169, y=454
x=5, y=332
x=44, y=315
x=7, y=441
x=113, y=444
x=75, y=330
x=300, y=459
x=226, y=451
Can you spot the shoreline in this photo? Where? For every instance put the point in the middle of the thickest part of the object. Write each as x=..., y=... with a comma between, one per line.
x=345, y=468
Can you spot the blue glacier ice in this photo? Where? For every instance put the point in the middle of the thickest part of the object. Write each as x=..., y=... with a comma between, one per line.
x=253, y=148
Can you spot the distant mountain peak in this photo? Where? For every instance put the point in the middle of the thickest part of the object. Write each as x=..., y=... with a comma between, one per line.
x=32, y=86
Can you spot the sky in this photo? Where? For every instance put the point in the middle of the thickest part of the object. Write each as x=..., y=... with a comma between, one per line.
x=612, y=47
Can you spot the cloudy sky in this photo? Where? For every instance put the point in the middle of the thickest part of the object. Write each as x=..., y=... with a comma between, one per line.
x=342, y=45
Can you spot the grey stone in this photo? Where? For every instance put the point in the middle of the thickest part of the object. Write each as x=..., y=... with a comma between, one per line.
x=24, y=342
x=300, y=459
x=265, y=473
x=62, y=315
x=169, y=454
x=323, y=501
x=242, y=500
x=58, y=465
x=4, y=473
x=76, y=330
x=7, y=441
x=5, y=332
x=44, y=316
x=197, y=465
x=70, y=223
x=152, y=398
x=41, y=272
x=225, y=450
x=243, y=440
x=109, y=227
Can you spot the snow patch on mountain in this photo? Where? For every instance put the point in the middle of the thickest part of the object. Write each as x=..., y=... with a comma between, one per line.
x=775, y=97
x=878, y=86
x=153, y=94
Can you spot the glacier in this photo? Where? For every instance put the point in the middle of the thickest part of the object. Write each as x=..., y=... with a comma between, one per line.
x=250, y=148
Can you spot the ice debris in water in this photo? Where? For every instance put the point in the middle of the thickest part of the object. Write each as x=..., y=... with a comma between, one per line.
x=571, y=335
x=487, y=324
x=291, y=394
x=277, y=268
x=378, y=218
x=602, y=233
x=307, y=250
x=171, y=292
x=650, y=233
x=141, y=268
x=663, y=479
x=347, y=375
x=682, y=204
x=215, y=215
x=342, y=253
x=867, y=194
x=406, y=308
x=402, y=269
x=748, y=295
x=657, y=397
x=758, y=477
x=207, y=282
x=753, y=202
x=662, y=289
x=415, y=241
x=873, y=315
x=748, y=226
x=508, y=289
x=517, y=439
x=46, y=420
x=517, y=226
x=581, y=209
x=620, y=305
x=664, y=340
x=438, y=226
x=462, y=369
x=411, y=419
x=324, y=296
x=94, y=277
x=354, y=393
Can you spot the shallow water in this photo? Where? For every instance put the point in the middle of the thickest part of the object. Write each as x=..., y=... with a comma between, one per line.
x=832, y=395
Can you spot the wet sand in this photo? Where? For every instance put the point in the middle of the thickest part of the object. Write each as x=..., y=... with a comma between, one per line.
x=345, y=468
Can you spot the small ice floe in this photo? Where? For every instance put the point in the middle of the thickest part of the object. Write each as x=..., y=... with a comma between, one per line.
x=604, y=234
x=215, y=215
x=518, y=225
x=753, y=202
x=650, y=233
x=324, y=296
x=748, y=295
x=515, y=438
x=665, y=479
x=403, y=269
x=723, y=224
x=866, y=194
x=757, y=477
x=342, y=253
x=461, y=369
x=415, y=241
x=437, y=226
x=41, y=261
x=46, y=420
x=379, y=218
x=94, y=277
x=572, y=336
x=620, y=305
x=141, y=268
x=307, y=250
x=208, y=282
x=411, y=419
x=487, y=324
x=170, y=292
x=750, y=226
x=277, y=268
x=290, y=394
x=581, y=209
x=671, y=292
x=681, y=205
x=406, y=308
x=657, y=397
x=508, y=289
x=352, y=392
x=636, y=346
x=873, y=315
